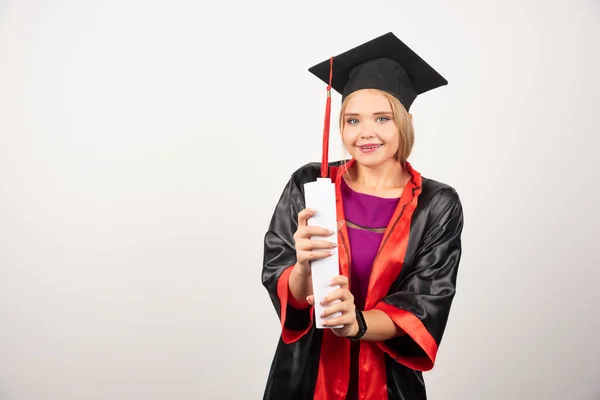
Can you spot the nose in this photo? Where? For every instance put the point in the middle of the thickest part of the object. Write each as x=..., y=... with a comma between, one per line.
x=367, y=134
x=368, y=130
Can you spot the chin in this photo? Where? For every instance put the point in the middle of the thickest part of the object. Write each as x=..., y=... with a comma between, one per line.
x=372, y=161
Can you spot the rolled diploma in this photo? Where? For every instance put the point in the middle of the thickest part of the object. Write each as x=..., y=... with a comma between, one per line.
x=320, y=195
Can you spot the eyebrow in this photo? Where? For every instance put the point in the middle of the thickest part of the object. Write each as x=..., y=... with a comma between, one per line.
x=375, y=113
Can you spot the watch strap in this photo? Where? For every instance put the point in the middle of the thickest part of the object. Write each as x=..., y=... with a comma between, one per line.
x=362, y=326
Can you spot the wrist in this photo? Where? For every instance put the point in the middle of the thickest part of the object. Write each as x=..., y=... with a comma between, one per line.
x=359, y=328
x=354, y=330
x=302, y=277
x=302, y=271
x=300, y=285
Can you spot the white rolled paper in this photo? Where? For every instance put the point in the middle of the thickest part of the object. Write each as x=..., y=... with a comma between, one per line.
x=320, y=195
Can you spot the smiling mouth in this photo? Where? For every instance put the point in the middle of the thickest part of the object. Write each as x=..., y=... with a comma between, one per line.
x=370, y=146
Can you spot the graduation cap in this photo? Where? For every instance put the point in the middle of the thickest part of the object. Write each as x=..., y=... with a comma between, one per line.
x=384, y=63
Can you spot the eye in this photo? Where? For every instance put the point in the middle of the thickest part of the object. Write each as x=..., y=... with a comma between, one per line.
x=383, y=119
x=352, y=121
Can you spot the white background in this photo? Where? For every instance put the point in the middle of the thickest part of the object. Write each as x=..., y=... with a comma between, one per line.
x=144, y=144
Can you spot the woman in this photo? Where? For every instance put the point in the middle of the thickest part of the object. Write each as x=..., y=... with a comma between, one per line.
x=399, y=244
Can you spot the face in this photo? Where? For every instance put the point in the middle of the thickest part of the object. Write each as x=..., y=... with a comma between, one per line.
x=370, y=133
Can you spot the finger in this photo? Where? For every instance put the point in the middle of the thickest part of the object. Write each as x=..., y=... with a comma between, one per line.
x=341, y=281
x=345, y=320
x=312, y=244
x=310, y=300
x=307, y=232
x=338, y=294
x=322, y=244
x=340, y=224
x=304, y=256
x=331, y=297
x=304, y=215
x=343, y=307
x=313, y=230
x=303, y=244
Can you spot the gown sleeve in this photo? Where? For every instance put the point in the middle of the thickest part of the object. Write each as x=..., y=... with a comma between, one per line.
x=421, y=305
x=279, y=258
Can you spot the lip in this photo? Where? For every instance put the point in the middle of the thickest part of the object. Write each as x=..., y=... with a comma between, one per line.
x=370, y=148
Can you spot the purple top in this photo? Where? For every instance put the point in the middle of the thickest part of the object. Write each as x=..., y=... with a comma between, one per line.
x=369, y=212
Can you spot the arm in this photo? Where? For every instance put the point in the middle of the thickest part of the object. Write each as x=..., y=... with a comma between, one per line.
x=380, y=327
x=279, y=273
x=409, y=323
x=300, y=286
x=421, y=306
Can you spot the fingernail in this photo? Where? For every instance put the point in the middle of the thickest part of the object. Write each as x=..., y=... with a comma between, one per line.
x=312, y=210
x=330, y=232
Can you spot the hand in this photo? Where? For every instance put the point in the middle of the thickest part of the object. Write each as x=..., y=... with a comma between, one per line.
x=346, y=307
x=308, y=250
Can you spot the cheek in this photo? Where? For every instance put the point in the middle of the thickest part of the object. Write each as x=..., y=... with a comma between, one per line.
x=391, y=135
x=348, y=136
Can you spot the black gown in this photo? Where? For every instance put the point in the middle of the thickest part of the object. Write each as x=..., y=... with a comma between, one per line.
x=413, y=281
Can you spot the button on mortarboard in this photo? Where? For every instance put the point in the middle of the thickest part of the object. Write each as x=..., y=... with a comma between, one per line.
x=384, y=63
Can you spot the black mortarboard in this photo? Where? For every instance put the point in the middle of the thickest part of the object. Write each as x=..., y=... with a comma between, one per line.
x=384, y=63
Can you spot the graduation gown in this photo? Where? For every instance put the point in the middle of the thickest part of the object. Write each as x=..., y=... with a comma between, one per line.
x=413, y=281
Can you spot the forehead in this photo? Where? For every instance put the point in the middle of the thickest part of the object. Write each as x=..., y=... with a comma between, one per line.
x=368, y=101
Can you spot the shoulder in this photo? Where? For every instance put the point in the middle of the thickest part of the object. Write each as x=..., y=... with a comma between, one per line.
x=306, y=173
x=439, y=199
x=439, y=192
x=309, y=172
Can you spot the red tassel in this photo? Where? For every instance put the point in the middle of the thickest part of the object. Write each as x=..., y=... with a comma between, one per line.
x=325, y=157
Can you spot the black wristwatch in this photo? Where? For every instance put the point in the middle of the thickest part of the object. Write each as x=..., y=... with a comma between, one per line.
x=362, y=326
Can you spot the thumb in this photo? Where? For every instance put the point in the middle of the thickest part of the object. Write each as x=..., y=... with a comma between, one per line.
x=310, y=299
x=340, y=224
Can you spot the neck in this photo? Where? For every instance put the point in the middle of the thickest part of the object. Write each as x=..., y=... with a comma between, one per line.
x=390, y=174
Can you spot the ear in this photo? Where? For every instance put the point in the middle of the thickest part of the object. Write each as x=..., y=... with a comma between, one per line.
x=410, y=116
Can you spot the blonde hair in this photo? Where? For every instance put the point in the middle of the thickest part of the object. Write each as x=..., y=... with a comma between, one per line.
x=402, y=119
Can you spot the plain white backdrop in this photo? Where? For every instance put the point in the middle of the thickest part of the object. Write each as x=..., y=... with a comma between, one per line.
x=144, y=145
